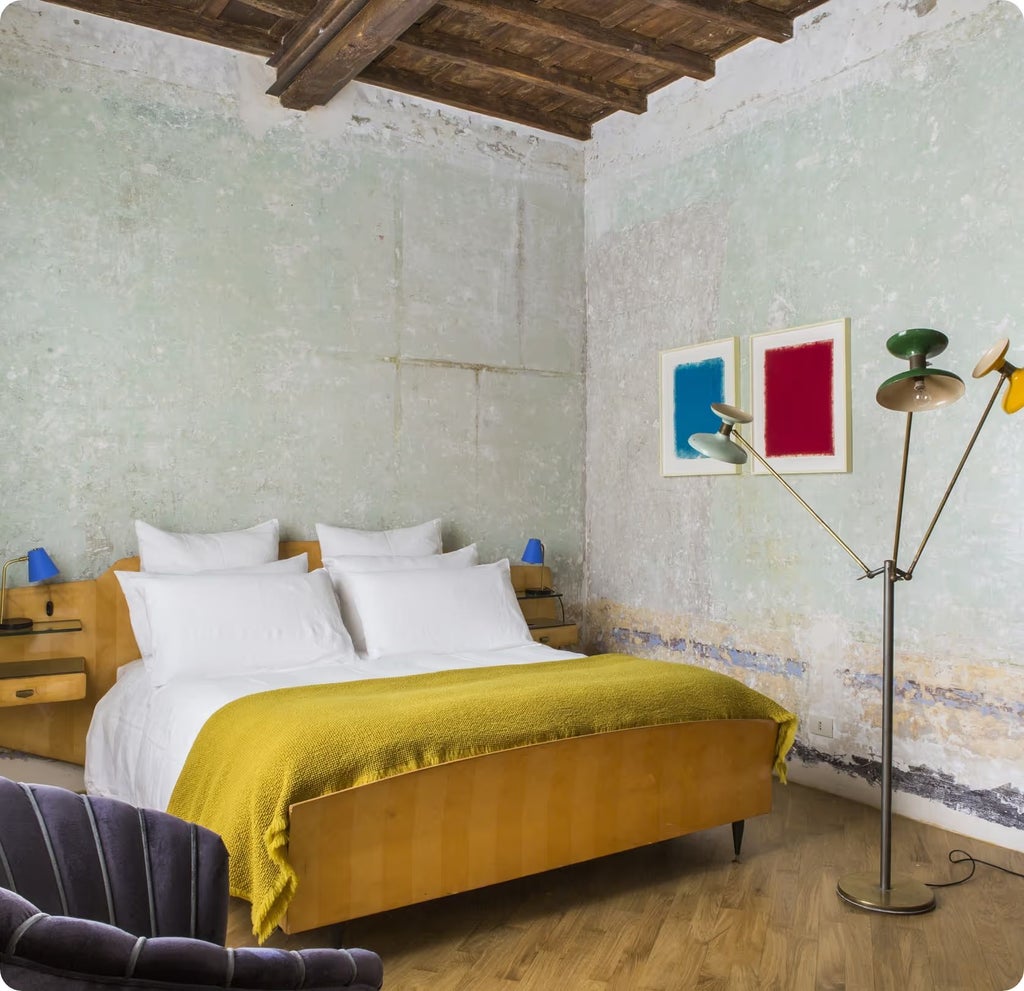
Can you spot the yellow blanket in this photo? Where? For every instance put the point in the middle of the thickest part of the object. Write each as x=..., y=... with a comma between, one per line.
x=260, y=754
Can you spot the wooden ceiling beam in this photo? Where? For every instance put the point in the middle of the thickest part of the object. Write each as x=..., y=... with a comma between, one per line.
x=289, y=10
x=475, y=102
x=372, y=29
x=175, y=20
x=321, y=24
x=524, y=70
x=589, y=33
x=213, y=8
x=749, y=17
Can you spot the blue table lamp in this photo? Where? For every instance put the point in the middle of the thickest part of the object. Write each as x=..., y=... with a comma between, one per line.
x=40, y=567
x=534, y=552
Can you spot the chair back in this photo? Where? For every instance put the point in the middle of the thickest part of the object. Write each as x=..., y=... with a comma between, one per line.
x=143, y=871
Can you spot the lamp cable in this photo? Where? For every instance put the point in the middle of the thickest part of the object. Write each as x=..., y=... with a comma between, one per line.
x=966, y=858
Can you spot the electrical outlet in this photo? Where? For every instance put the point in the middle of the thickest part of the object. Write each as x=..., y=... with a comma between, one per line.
x=821, y=725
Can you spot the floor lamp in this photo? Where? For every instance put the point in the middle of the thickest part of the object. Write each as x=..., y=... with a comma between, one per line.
x=919, y=389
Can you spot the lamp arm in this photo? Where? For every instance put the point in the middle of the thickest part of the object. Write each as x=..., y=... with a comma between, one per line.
x=903, y=489
x=956, y=474
x=3, y=584
x=789, y=488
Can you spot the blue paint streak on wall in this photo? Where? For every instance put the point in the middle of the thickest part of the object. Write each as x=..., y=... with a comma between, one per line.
x=752, y=661
x=928, y=696
x=695, y=387
x=624, y=637
x=727, y=656
x=1003, y=805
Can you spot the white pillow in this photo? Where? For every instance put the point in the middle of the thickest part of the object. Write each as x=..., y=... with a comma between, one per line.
x=209, y=626
x=442, y=611
x=135, y=583
x=187, y=553
x=339, y=568
x=464, y=557
x=411, y=540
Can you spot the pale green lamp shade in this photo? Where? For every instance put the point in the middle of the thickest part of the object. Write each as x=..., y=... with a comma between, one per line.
x=721, y=446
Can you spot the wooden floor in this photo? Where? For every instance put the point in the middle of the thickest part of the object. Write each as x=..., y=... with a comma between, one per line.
x=685, y=915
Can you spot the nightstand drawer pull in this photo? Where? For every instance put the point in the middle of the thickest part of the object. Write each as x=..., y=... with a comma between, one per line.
x=25, y=693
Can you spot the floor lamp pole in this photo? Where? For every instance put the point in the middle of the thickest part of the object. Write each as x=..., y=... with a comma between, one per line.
x=888, y=692
x=880, y=893
x=904, y=896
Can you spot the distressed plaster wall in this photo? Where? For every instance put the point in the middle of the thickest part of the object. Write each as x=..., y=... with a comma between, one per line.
x=214, y=310
x=869, y=169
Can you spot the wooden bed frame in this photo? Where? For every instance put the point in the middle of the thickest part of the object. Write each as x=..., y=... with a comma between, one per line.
x=440, y=830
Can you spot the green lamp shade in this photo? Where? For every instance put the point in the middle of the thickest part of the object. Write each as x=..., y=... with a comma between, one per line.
x=921, y=387
x=919, y=341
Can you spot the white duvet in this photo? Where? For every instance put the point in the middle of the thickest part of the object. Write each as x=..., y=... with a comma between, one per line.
x=140, y=736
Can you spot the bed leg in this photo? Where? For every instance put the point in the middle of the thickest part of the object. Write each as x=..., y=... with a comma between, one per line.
x=737, y=835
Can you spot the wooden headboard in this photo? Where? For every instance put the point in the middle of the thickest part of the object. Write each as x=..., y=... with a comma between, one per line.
x=106, y=641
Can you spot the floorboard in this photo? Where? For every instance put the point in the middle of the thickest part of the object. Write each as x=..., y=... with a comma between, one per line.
x=686, y=915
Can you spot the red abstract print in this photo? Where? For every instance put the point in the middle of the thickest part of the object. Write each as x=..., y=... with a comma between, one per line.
x=798, y=403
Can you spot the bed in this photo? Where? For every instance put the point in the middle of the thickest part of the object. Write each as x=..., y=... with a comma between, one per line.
x=429, y=832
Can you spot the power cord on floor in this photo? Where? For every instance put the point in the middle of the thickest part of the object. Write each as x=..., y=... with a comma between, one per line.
x=965, y=858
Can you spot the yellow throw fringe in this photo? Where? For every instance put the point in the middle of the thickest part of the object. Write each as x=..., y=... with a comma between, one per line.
x=260, y=754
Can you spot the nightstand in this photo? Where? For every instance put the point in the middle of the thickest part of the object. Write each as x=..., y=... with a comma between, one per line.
x=543, y=607
x=44, y=679
x=554, y=634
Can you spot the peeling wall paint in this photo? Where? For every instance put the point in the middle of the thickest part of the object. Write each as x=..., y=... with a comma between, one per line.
x=939, y=711
x=1003, y=805
x=868, y=169
x=214, y=310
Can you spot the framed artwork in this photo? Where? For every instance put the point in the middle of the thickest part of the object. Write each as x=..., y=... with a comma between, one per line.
x=800, y=398
x=692, y=378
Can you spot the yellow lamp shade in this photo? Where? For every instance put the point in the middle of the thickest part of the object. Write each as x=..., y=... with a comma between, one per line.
x=1014, y=398
x=994, y=360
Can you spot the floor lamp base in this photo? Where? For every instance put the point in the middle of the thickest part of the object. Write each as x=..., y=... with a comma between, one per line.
x=904, y=897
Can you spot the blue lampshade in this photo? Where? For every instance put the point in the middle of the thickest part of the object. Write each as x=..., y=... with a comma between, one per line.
x=40, y=565
x=534, y=552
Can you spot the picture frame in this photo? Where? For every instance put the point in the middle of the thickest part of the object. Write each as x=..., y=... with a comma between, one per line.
x=800, y=398
x=691, y=379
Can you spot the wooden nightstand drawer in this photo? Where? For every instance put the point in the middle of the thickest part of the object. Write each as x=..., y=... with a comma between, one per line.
x=44, y=688
x=555, y=634
x=54, y=680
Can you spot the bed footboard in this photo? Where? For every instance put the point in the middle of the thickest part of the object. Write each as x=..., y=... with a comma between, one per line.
x=479, y=821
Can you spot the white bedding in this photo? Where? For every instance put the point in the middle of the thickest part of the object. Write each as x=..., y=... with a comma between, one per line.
x=140, y=736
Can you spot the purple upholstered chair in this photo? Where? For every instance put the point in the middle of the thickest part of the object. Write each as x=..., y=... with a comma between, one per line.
x=96, y=894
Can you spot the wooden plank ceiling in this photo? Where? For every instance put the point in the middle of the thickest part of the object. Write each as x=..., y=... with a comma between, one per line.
x=558, y=65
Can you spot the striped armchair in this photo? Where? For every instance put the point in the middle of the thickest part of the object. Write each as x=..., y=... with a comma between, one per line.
x=97, y=894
